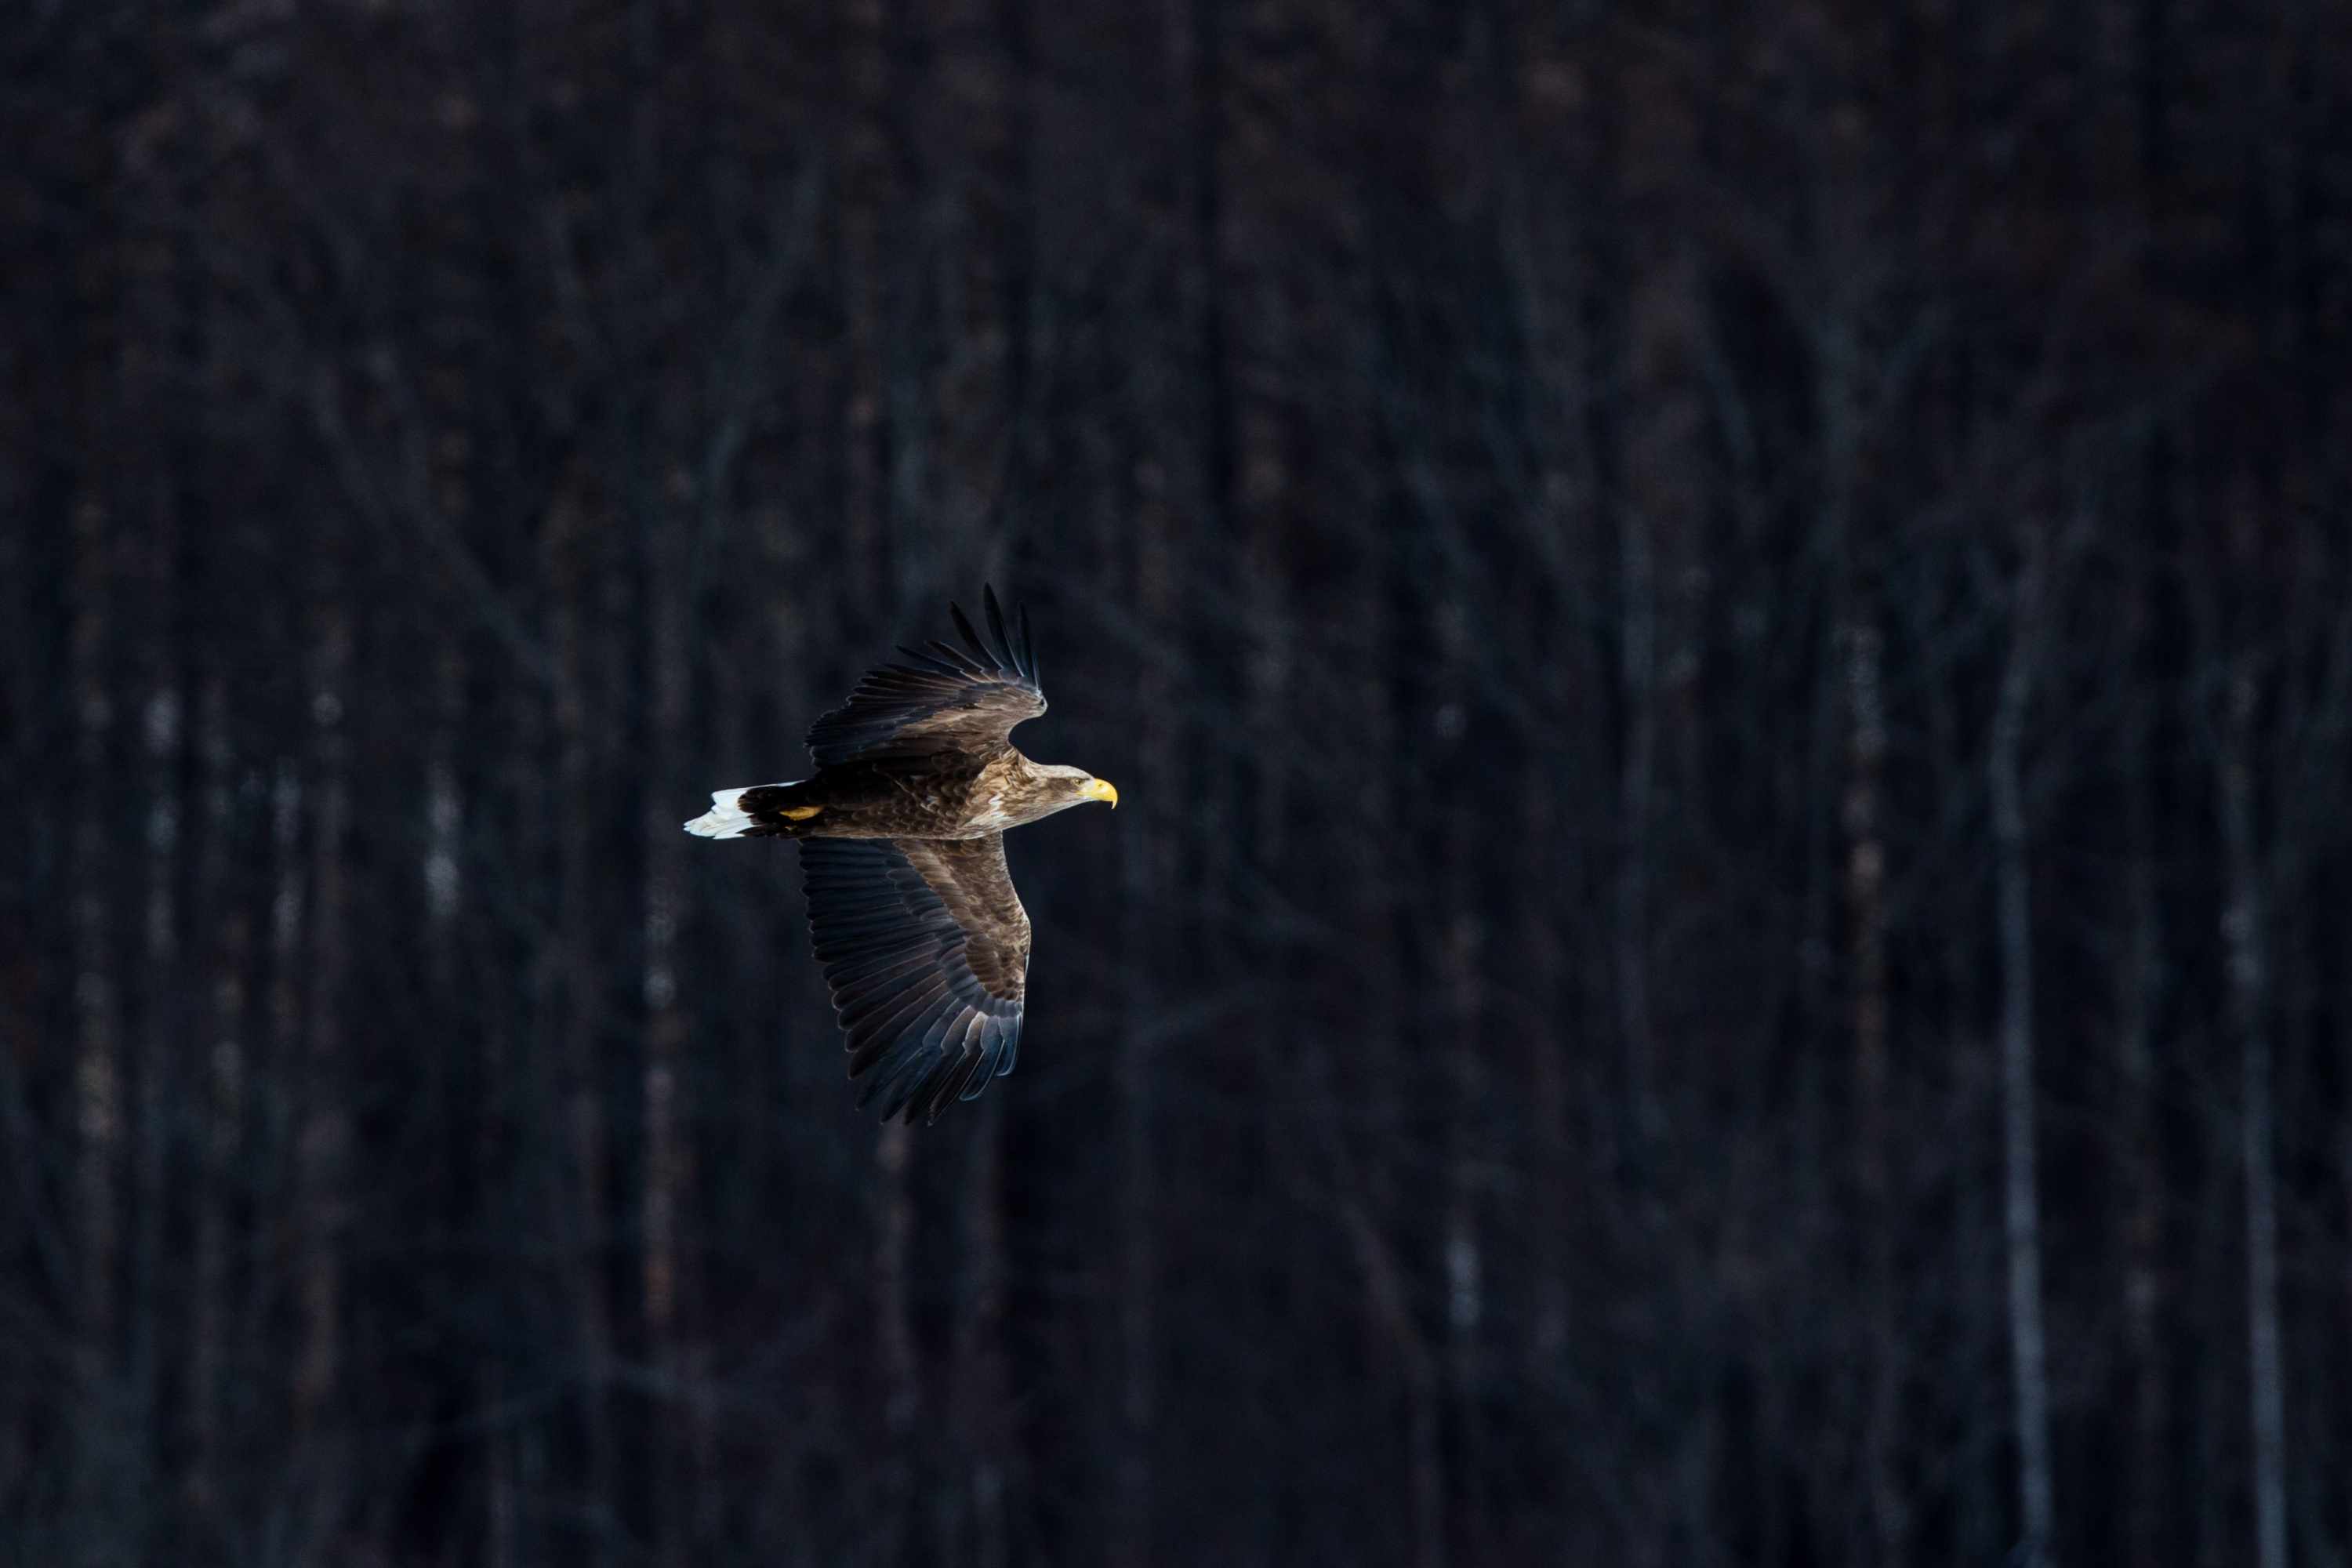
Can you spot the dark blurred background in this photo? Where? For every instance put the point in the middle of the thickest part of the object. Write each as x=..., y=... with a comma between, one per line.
x=1724, y=628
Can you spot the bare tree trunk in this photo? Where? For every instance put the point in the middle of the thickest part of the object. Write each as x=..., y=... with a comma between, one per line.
x=279, y=1074
x=984, y=1387
x=1970, y=1360
x=2154, y=1512
x=1636, y=784
x=97, y=1026
x=1468, y=1148
x=162, y=1034
x=2140, y=989
x=2022, y=1210
x=1856, y=643
x=577, y=1192
x=1147, y=932
x=2215, y=1539
x=1637, y=655
x=444, y=819
x=1467, y=1144
x=1550, y=998
x=323, y=1147
x=1558, y=881
x=1558, y=678
x=981, y=408
x=1865, y=896
x=866, y=270
x=222, y=1100
x=2244, y=931
x=289, y=917
x=1380, y=1189
x=894, y=1333
x=668, y=1150
x=1389, y=1186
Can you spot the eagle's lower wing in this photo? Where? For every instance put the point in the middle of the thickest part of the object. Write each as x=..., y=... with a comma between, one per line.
x=943, y=700
x=926, y=949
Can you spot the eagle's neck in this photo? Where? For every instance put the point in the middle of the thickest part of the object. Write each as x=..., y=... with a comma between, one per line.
x=1012, y=790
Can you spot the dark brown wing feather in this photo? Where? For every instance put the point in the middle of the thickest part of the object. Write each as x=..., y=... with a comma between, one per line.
x=926, y=950
x=944, y=699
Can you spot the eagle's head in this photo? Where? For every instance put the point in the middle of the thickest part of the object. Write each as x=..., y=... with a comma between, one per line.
x=1063, y=786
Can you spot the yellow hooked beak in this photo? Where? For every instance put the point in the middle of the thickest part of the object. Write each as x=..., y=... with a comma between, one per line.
x=1101, y=789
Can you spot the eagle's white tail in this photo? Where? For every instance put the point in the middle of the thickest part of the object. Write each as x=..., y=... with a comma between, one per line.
x=726, y=818
x=769, y=814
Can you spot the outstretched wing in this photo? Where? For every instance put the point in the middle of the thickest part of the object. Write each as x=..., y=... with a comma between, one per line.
x=946, y=699
x=926, y=949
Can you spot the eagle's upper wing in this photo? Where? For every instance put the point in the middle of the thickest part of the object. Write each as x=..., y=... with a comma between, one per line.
x=946, y=699
x=926, y=949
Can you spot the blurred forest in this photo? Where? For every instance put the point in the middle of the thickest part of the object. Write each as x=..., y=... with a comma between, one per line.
x=1726, y=634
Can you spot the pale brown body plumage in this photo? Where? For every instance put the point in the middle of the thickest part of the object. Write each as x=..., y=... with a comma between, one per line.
x=925, y=944
x=949, y=794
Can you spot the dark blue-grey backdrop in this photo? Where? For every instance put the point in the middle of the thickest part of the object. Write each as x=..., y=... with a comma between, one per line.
x=1726, y=632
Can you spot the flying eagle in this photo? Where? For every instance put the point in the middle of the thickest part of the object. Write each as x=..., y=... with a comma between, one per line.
x=924, y=942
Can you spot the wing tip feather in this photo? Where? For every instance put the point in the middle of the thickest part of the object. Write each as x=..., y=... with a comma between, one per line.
x=963, y=624
x=1003, y=649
